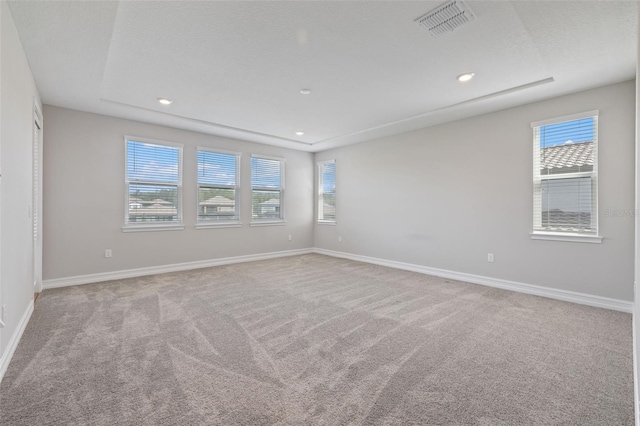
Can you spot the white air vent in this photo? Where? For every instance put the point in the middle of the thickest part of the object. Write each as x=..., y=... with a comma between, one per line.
x=446, y=18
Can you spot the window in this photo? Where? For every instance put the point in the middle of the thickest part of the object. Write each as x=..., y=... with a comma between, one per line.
x=218, y=187
x=327, y=191
x=565, y=177
x=154, y=184
x=267, y=189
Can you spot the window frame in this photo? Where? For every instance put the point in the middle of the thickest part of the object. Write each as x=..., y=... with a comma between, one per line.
x=269, y=222
x=153, y=226
x=320, y=193
x=235, y=223
x=537, y=232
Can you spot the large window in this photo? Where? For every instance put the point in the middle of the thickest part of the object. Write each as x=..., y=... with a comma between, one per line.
x=565, y=176
x=327, y=192
x=267, y=189
x=218, y=187
x=154, y=183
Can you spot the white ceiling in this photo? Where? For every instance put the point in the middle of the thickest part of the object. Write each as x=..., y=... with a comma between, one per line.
x=235, y=68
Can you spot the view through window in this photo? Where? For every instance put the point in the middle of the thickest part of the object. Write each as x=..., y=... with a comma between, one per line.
x=267, y=189
x=154, y=180
x=565, y=175
x=327, y=191
x=217, y=186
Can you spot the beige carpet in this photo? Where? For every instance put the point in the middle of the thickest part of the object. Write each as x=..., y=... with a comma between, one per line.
x=314, y=340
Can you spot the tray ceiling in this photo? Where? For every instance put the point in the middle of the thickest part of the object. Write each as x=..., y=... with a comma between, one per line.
x=236, y=69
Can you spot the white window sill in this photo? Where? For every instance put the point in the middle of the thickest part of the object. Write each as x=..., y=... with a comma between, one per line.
x=205, y=225
x=327, y=222
x=563, y=236
x=269, y=223
x=153, y=227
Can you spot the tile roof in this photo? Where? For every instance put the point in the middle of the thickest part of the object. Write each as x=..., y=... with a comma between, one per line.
x=218, y=200
x=568, y=155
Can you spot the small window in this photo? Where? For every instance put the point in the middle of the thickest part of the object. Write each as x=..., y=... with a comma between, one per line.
x=154, y=183
x=327, y=191
x=565, y=175
x=267, y=189
x=218, y=187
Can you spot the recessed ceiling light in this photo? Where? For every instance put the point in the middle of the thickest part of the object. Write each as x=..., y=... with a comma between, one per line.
x=305, y=91
x=299, y=133
x=165, y=101
x=466, y=76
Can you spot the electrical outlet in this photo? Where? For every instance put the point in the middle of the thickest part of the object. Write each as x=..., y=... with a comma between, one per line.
x=108, y=253
x=490, y=257
x=340, y=238
x=289, y=237
x=4, y=313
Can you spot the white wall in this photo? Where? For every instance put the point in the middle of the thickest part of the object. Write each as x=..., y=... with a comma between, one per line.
x=445, y=196
x=17, y=93
x=84, y=196
x=636, y=297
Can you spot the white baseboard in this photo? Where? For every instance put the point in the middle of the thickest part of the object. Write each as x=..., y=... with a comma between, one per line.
x=15, y=339
x=552, y=293
x=568, y=296
x=153, y=270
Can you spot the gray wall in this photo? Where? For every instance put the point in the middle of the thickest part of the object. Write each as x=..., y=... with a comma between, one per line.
x=636, y=303
x=18, y=93
x=84, y=196
x=447, y=195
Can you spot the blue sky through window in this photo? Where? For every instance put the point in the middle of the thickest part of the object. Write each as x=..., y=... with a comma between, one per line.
x=216, y=168
x=152, y=163
x=265, y=173
x=329, y=177
x=568, y=132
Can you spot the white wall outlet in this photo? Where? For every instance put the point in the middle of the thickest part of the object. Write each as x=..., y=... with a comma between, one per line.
x=490, y=257
x=340, y=238
x=4, y=313
x=289, y=237
x=108, y=253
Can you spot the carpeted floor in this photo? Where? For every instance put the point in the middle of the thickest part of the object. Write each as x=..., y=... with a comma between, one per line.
x=315, y=340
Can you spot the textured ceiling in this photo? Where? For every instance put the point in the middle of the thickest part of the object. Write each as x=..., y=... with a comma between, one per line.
x=236, y=68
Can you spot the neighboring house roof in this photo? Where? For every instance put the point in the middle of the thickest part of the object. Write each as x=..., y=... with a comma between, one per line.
x=271, y=202
x=569, y=155
x=154, y=210
x=158, y=201
x=218, y=200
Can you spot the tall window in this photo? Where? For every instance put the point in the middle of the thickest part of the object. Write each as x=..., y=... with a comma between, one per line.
x=154, y=183
x=218, y=186
x=267, y=189
x=565, y=175
x=327, y=191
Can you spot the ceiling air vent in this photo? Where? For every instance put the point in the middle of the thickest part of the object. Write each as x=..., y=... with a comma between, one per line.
x=446, y=18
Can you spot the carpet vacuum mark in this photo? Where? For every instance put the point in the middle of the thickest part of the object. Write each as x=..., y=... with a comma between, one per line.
x=315, y=340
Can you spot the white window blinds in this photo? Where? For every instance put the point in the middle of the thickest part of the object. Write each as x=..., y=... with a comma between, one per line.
x=154, y=182
x=565, y=175
x=327, y=191
x=218, y=186
x=267, y=189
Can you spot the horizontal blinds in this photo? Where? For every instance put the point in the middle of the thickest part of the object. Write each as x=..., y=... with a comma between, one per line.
x=327, y=191
x=565, y=176
x=266, y=173
x=152, y=163
x=217, y=169
x=217, y=186
x=266, y=189
x=154, y=178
